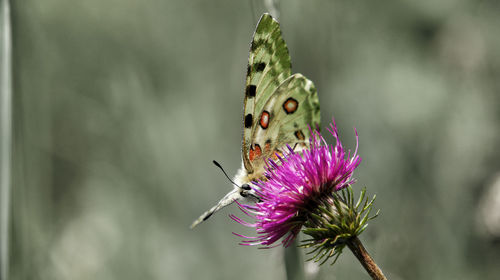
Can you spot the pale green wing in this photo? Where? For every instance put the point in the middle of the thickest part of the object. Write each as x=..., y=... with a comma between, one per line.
x=268, y=66
x=285, y=119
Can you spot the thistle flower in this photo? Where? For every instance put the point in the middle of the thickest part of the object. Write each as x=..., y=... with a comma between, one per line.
x=310, y=191
x=298, y=189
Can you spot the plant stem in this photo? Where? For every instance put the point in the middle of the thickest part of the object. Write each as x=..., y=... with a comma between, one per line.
x=5, y=134
x=364, y=258
x=294, y=265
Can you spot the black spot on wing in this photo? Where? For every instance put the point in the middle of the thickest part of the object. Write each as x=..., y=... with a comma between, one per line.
x=248, y=70
x=248, y=121
x=259, y=67
x=250, y=91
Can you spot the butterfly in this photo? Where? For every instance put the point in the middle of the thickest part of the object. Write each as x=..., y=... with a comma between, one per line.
x=279, y=109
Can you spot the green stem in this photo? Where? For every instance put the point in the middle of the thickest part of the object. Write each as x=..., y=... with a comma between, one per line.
x=294, y=265
x=364, y=258
x=5, y=134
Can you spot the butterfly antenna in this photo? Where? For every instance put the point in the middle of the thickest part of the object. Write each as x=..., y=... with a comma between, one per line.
x=223, y=171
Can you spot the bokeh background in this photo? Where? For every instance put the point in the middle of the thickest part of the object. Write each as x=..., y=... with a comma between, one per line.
x=120, y=106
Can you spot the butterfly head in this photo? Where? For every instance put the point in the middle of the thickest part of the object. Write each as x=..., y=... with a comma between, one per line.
x=247, y=191
x=243, y=184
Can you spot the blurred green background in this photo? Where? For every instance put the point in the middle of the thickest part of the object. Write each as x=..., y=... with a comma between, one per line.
x=120, y=106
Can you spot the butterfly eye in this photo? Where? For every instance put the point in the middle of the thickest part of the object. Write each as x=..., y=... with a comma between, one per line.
x=246, y=187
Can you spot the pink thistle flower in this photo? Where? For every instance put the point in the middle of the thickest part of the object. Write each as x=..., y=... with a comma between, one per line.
x=300, y=184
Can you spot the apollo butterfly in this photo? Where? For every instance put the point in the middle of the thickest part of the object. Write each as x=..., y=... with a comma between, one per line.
x=279, y=108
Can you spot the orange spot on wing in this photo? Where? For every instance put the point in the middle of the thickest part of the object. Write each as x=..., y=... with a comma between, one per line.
x=276, y=154
x=254, y=152
x=264, y=119
x=290, y=105
x=299, y=135
x=267, y=147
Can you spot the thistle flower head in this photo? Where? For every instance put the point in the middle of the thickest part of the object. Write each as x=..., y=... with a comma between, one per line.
x=298, y=190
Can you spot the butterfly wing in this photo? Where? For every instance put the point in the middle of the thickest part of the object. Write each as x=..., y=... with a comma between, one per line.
x=225, y=201
x=285, y=118
x=278, y=108
x=268, y=66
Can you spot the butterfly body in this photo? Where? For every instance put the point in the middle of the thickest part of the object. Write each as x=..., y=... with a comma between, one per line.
x=279, y=110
